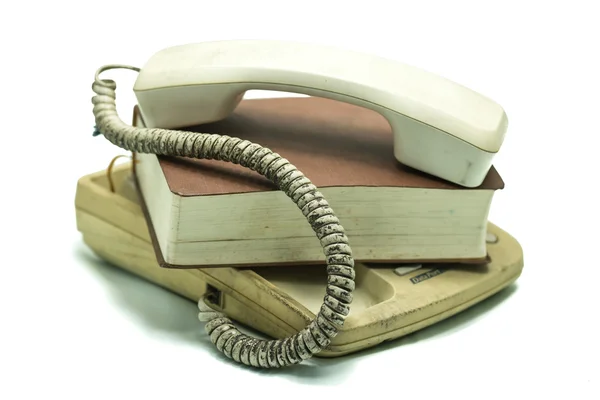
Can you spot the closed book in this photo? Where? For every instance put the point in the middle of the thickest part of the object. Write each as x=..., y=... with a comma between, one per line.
x=209, y=213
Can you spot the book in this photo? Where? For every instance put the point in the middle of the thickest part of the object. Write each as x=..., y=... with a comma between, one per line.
x=209, y=213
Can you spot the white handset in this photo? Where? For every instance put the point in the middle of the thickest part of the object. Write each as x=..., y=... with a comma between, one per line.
x=439, y=126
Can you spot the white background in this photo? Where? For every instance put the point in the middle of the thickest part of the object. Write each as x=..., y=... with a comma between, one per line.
x=74, y=328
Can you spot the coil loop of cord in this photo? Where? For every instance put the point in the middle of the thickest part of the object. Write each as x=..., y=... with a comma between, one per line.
x=244, y=349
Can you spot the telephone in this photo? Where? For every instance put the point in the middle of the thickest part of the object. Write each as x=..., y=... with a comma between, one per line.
x=439, y=127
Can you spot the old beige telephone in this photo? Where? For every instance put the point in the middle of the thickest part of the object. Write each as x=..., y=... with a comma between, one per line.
x=439, y=127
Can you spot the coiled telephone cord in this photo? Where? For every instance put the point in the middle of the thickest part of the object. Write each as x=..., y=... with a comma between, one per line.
x=317, y=335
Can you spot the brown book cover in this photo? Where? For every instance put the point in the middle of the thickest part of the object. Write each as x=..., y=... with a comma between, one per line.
x=332, y=143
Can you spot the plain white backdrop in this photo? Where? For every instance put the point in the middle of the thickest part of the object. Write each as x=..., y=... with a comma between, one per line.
x=75, y=328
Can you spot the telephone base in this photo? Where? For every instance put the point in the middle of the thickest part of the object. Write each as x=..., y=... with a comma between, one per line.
x=279, y=301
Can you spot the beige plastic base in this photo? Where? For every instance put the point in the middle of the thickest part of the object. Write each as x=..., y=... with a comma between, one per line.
x=281, y=301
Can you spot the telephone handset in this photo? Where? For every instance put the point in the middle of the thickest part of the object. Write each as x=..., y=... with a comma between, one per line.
x=439, y=127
